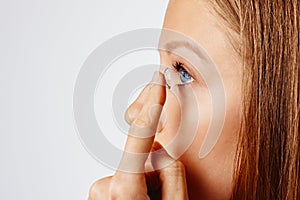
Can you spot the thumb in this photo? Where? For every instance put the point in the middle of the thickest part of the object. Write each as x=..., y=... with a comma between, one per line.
x=172, y=178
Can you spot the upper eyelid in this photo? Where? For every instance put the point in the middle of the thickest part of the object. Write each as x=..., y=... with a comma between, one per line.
x=185, y=67
x=190, y=70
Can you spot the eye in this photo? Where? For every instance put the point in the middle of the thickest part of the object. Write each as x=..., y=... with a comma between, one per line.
x=185, y=77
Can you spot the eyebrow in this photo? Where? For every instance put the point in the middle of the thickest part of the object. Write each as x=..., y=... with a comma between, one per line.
x=171, y=46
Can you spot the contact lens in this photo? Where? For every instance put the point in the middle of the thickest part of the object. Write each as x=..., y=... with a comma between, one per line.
x=174, y=77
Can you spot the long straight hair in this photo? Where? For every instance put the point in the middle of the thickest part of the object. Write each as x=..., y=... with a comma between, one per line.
x=268, y=151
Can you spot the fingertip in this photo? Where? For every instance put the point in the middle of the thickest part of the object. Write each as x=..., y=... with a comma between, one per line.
x=158, y=78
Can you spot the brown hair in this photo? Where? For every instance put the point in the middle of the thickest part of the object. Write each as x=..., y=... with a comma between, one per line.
x=267, y=159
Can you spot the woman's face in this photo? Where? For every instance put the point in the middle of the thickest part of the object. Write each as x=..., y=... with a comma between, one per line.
x=210, y=177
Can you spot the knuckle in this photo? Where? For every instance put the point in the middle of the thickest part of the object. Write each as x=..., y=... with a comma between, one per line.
x=132, y=112
x=120, y=189
x=99, y=188
x=149, y=114
x=142, y=121
x=177, y=165
x=94, y=190
x=116, y=189
x=175, y=169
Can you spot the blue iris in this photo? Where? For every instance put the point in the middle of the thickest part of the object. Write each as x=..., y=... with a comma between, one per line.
x=185, y=77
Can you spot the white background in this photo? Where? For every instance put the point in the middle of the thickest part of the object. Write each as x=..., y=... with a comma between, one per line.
x=42, y=47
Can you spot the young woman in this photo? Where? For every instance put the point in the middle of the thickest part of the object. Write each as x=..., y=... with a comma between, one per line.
x=255, y=47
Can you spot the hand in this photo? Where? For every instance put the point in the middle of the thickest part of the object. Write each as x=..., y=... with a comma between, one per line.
x=166, y=183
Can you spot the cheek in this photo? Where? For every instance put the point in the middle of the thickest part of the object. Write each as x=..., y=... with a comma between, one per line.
x=205, y=108
x=232, y=120
x=174, y=114
x=222, y=154
x=205, y=114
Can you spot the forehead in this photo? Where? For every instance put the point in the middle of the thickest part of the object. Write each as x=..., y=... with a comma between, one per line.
x=196, y=19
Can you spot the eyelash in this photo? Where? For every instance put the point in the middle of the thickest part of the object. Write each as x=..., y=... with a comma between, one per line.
x=179, y=66
x=184, y=75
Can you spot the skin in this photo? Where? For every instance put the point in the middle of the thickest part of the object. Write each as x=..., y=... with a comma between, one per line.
x=188, y=177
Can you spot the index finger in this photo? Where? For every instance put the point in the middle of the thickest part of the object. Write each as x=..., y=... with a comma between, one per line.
x=143, y=128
